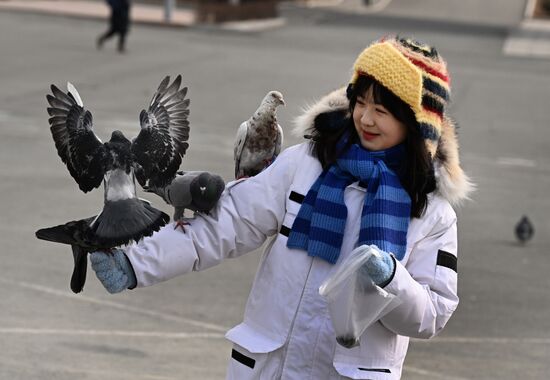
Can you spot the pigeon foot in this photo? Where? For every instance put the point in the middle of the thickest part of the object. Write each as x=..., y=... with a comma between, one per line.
x=181, y=224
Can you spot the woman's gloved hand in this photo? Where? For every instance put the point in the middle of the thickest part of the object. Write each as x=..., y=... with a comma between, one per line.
x=380, y=266
x=114, y=270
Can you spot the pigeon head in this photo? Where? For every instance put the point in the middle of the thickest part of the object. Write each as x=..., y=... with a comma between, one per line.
x=274, y=98
x=120, y=153
x=206, y=190
x=200, y=187
x=118, y=137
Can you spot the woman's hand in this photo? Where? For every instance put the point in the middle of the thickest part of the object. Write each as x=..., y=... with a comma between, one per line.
x=113, y=269
x=380, y=267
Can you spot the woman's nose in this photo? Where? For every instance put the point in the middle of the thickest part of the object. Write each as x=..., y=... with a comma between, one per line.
x=366, y=118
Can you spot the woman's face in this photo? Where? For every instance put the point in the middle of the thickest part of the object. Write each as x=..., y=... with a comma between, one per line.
x=377, y=128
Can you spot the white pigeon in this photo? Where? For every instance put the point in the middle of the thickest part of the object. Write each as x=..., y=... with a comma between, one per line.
x=259, y=138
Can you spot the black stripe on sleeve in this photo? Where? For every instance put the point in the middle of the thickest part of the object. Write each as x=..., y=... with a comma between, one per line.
x=243, y=359
x=382, y=370
x=296, y=197
x=446, y=259
x=285, y=230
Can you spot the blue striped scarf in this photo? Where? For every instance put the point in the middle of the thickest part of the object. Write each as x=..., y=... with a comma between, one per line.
x=319, y=225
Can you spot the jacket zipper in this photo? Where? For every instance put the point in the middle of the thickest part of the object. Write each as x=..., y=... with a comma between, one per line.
x=294, y=319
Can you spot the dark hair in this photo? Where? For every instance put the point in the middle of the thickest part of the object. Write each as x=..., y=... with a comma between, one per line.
x=416, y=173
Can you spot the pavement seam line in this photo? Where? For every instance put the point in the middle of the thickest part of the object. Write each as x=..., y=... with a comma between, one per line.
x=116, y=333
x=480, y=340
x=133, y=309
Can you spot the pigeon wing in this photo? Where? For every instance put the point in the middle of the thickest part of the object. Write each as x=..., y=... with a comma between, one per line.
x=77, y=145
x=279, y=141
x=162, y=141
x=240, y=141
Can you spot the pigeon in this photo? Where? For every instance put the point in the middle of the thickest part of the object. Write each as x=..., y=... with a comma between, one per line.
x=524, y=230
x=197, y=191
x=259, y=138
x=79, y=236
x=153, y=158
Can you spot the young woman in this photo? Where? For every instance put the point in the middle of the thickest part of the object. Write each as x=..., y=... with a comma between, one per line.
x=380, y=167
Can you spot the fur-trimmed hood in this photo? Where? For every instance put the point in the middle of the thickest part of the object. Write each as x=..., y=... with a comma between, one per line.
x=452, y=183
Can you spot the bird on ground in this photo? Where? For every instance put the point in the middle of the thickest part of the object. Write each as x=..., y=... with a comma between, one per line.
x=197, y=191
x=152, y=158
x=524, y=230
x=259, y=138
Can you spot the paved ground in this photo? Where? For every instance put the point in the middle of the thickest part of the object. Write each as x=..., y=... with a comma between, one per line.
x=140, y=13
x=175, y=330
x=488, y=12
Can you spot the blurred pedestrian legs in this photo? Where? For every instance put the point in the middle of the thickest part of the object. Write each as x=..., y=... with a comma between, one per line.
x=118, y=23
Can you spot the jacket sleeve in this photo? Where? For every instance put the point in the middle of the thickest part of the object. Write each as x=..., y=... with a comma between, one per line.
x=247, y=213
x=427, y=286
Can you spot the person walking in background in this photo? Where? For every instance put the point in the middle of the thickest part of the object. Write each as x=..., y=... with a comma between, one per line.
x=118, y=24
x=380, y=167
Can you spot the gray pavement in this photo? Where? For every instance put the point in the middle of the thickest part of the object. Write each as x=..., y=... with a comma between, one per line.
x=489, y=13
x=93, y=9
x=486, y=12
x=175, y=330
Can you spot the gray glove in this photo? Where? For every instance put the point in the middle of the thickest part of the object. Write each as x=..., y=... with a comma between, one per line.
x=380, y=268
x=113, y=270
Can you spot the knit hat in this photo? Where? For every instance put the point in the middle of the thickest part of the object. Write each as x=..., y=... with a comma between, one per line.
x=414, y=72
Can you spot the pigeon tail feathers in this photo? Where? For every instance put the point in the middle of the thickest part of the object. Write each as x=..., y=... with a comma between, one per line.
x=127, y=219
x=78, y=278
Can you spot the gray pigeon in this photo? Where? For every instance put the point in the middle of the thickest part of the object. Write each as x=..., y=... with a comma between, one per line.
x=259, y=138
x=153, y=157
x=524, y=230
x=197, y=191
x=77, y=234
x=82, y=239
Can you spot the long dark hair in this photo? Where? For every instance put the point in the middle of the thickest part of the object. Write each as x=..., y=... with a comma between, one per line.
x=416, y=172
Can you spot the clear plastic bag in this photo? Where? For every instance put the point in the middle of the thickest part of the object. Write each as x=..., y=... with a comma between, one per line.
x=354, y=300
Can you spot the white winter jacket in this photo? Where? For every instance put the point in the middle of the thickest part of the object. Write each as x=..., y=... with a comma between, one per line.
x=284, y=309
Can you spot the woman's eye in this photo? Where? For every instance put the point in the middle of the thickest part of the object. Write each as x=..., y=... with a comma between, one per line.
x=381, y=110
x=361, y=102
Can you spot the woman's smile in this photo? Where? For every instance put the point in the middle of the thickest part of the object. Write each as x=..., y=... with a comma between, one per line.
x=369, y=136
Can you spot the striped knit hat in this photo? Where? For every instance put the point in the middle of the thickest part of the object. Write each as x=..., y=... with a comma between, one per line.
x=414, y=72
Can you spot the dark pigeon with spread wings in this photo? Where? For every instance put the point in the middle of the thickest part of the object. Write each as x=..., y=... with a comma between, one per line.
x=154, y=156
